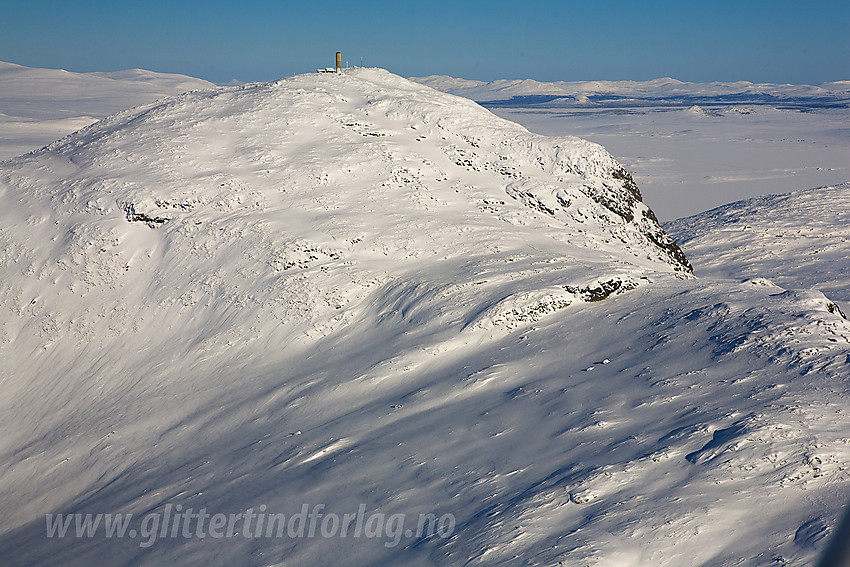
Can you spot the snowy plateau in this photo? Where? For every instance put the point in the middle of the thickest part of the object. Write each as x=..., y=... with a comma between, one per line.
x=38, y=106
x=357, y=292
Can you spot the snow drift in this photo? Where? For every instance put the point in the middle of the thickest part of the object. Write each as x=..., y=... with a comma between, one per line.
x=355, y=291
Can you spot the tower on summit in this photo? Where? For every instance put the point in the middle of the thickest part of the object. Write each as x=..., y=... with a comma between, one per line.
x=337, y=69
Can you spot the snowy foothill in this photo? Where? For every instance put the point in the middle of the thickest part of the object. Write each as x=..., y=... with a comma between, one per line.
x=352, y=296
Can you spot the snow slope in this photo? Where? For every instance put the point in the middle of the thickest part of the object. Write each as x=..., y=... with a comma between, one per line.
x=356, y=291
x=38, y=106
x=795, y=239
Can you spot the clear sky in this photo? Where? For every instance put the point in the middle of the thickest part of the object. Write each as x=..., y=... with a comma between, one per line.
x=250, y=40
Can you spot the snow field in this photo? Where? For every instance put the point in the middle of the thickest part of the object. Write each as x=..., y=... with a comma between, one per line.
x=355, y=290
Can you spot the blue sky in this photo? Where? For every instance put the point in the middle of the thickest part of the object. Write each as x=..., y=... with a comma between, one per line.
x=764, y=41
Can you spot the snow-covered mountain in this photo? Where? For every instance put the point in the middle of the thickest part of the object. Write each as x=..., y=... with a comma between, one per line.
x=358, y=292
x=38, y=106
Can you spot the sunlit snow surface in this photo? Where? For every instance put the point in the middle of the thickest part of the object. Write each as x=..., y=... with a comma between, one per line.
x=353, y=290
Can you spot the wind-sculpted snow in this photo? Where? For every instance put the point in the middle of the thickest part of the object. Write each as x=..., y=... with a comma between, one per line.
x=357, y=292
x=798, y=239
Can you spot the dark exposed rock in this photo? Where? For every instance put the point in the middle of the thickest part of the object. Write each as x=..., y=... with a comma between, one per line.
x=602, y=290
x=151, y=221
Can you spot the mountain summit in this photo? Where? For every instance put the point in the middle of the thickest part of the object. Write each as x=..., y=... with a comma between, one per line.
x=345, y=136
x=295, y=198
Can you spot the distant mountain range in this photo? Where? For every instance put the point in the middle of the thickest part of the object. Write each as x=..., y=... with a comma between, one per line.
x=665, y=91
